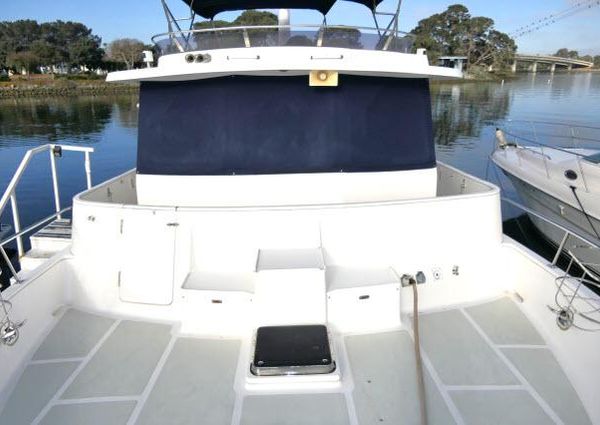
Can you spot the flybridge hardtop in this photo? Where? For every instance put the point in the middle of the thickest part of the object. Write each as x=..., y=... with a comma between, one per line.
x=210, y=8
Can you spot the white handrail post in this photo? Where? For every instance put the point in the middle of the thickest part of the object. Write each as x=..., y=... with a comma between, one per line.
x=55, y=181
x=573, y=138
x=17, y=223
x=560, y=248
x=246, y=38
x=88, y=170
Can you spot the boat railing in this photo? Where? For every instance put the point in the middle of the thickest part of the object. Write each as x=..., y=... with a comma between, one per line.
x=352, y=37
x=10, y=195
x=553, y=135
x=573, y=307
x=543, y=137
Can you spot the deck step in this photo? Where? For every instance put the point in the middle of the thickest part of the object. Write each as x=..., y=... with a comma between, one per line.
x=46, y=242
x=52, y=238
x=33, y=259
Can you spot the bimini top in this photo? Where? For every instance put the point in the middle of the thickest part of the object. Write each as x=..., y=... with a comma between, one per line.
x=210, y=8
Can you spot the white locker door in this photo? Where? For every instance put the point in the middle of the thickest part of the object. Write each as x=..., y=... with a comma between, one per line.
x=147, y=256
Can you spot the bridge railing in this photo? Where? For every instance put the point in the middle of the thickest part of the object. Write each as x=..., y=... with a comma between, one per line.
x=553, y=60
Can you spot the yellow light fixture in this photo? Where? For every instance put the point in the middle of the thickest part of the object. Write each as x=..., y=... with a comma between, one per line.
x=323, y=78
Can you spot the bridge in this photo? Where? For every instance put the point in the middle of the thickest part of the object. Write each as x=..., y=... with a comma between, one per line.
x=552, y=61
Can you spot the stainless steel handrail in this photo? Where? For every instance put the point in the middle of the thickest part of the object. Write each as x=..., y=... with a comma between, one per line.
x=251, y=27
x=556, y=124
x=35, y=225
x=572, y=232
x=20, y=234
x=544, y=147
x=568, y=286
x=10, y=192
x=572, y=136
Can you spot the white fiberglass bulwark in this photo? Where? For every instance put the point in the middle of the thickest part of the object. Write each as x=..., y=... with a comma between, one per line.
x=146, y=373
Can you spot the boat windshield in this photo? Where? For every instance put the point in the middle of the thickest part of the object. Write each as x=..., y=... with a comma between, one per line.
x=283, y=35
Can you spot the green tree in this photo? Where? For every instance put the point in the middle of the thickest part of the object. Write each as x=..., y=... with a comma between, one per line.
x=255, y=17
x=126, y=50
x=23, y=61
x=53, y=43
x=16, y=37
x=566, y=53
x=258, y=37
x=211, y=24
x=86, y=52
x=455, y=32
x=597, y=61
x=45, y=51
x=342, y=37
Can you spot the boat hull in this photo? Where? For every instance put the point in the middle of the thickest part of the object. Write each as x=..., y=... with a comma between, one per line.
x=563, y=214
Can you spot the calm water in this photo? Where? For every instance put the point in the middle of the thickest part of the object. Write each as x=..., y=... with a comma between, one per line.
x=465, y=116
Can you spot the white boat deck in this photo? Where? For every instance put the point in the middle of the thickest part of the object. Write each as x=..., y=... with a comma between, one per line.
x=484, y=364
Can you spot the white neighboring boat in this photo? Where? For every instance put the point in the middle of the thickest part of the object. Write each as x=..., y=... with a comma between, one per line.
x=260, y=265
x=562, y=183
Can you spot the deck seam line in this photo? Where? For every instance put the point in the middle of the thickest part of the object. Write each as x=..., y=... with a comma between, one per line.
x=458, y=419
x=50, y=361
x=75, y=373
x=524, y=346
x=108, y=399
x=349, y=391
x=143, y=398
x=537, y=397
x=445, y=395
x=484, y=387
x=239, y=382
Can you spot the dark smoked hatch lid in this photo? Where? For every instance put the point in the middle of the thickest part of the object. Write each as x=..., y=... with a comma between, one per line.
x=292, y=350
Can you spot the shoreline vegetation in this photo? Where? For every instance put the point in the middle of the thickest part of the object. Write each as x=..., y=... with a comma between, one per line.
x=48, y=85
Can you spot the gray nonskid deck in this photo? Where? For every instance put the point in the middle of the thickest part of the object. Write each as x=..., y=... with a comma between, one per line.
x=92, y=370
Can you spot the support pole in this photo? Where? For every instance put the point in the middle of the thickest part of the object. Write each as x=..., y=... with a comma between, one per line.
x=560, y=248
x=553, y=68
x=534, y=67
x=88, y=170
x=513, y=67
x=55, y=182
x=17, y=223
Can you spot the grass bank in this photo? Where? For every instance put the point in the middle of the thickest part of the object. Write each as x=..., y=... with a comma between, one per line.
x=49, y=85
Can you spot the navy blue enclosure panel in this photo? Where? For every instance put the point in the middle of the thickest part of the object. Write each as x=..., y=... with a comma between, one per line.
x=276, y=125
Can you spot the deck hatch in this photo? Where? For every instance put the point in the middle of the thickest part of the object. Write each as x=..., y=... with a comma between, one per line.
x=292, y=350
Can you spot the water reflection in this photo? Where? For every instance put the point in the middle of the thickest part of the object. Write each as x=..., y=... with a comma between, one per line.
x=127, y=111
x=460, y=110
x=32, y=121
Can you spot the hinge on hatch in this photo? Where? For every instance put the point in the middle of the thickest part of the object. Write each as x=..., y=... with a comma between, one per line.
x=119, y=279
x=172, y=224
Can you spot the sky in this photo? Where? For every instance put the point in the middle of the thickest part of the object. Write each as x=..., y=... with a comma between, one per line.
x=111, y=19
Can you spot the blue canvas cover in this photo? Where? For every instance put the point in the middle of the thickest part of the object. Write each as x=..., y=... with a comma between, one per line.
x=271, y=125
